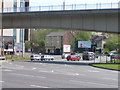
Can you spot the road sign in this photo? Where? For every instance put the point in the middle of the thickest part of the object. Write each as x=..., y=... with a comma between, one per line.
x=19, y=48
x=66, y=48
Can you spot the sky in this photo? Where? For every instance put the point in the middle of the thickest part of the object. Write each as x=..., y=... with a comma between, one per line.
x=68, y=2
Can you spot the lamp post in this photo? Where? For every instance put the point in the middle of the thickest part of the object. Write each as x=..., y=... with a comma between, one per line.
x=2, y=32
x=63, y=4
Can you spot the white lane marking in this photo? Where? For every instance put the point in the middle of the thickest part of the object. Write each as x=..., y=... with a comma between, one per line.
x=77, y=74
x=28, y=75
x=10, y=63
x=1, y=81
x=46, y=71
x=19, y=66
x=34, y=68
x=110, y=79
x=63, y=73
x=92, y=83
x=93, y=71
x=38, y=63
x=7, y=70
x=52, y=71
x=114, y=71
x=67, y=65
x=39, y=86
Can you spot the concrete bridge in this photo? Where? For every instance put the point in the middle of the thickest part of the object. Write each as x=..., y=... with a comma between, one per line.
x=99, y=20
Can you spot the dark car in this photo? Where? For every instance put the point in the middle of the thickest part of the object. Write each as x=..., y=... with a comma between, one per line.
x=64, y=56
x=88, y=56
x=110, y=54
x=75, y=54
x=73, y=57
x=96, y=56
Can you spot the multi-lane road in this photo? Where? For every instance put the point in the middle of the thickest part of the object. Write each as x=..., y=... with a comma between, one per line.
x=27, y=74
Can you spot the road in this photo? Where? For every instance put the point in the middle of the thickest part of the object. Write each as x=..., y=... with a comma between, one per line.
x=27, y=74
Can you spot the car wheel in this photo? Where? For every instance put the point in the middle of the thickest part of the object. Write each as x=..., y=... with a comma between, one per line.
x=78, y=59
x=67, y=59
x=83, y=58
x=52, y=59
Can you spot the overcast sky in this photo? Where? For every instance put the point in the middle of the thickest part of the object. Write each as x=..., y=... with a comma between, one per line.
x=67, y=2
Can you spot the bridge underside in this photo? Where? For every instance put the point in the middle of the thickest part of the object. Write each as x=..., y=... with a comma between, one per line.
x=89, y=20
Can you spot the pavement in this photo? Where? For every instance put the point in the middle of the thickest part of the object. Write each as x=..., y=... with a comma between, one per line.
x=2, y=61
x=19, y=74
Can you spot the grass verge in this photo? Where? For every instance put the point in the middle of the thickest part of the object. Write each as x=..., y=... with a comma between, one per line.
x=107, y=66
x=17, y=58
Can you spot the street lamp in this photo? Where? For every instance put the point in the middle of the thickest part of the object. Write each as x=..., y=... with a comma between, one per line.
x=63, y=4
x=2, y=31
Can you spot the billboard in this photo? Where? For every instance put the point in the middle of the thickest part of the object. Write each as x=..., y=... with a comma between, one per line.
x=66, y=48
x=84, y=44
x=19, y=48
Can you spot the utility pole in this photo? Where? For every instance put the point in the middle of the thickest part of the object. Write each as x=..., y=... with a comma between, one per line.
x=23, y=42
x=2, y=50
x=63, y=4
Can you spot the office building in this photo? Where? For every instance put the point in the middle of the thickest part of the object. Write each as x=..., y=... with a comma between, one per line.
x=18, y=35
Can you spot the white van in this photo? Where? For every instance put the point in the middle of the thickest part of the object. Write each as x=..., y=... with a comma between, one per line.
x=47, y=57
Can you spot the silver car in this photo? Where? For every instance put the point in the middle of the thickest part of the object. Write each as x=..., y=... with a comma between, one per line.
x=2, y=57
x=35, y=57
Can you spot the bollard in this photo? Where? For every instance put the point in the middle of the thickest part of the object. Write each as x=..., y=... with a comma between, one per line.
x=111, y=59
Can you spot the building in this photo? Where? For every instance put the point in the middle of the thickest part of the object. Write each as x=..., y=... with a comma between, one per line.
x=55, y=41
x=99, y=40
x=20, y=35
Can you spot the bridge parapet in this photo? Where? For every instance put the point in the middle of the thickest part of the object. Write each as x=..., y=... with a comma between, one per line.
x=62, y=7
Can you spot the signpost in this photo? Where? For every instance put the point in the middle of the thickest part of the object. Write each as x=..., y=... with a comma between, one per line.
x=19, y=49
x=66, y=48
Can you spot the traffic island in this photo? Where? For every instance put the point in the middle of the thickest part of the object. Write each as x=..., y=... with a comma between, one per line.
x=108, y=66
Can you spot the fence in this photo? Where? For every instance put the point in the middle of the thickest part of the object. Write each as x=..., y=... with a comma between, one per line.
x=62, y=7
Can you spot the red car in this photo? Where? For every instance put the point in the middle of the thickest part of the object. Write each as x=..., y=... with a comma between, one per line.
x=73, y=57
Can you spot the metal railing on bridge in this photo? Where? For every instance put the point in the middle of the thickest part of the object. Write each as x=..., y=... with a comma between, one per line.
x=62, y=7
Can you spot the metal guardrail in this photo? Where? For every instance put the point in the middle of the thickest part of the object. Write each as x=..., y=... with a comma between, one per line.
x=62, y=7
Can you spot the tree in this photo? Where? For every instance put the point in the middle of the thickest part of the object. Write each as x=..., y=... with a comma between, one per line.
x=27, y=45
x=80, y=36
x=112, y=43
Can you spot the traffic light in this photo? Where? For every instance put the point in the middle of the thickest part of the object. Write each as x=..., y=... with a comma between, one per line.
x=6, y=46
x=94, y=49
x=100, y=50
x=94, y=46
